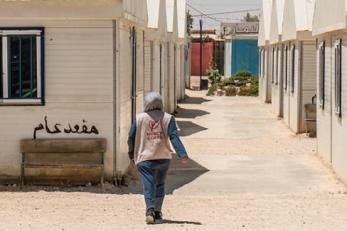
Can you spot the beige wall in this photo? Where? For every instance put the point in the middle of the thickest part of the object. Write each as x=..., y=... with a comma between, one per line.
x=331, y=130
x=164, y=74
x=286, y=92
x=171, y=78
x=267, y=77
x=277, y=88
x=140, y=70
x=339, y=126
x=178, y=73
x=124, y=85
x=79, y=86
x=324, y=116
x=149, y=61
x=182, y=69
x=294, y=97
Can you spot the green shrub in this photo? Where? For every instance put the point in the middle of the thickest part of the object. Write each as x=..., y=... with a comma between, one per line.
x=243, y=78
x=244, y=91
x=254, y=89
x=244, y=74
x=212, y=89
x=231, y=91
x=213, y=73
x=228, y=81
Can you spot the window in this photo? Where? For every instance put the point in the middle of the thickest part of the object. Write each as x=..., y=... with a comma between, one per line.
x=286, y=68
x=264, y=62
x=22, y=67
x=292, y=81
x=338, y=78
x=277, y=65
x=322, y=75
x=273, y=66
x=260, y=61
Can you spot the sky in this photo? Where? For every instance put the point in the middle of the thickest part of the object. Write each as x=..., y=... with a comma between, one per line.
x=215, y=6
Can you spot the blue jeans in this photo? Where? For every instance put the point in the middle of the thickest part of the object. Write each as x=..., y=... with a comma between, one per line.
x=153, y=174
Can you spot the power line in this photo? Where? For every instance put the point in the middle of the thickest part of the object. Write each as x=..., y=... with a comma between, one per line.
x=202, y=13
x=230, y=12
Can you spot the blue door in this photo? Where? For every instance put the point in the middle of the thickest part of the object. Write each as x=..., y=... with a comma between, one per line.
x=245, y=56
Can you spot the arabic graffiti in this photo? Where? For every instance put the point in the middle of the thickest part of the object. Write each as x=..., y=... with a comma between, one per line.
x=58, y=128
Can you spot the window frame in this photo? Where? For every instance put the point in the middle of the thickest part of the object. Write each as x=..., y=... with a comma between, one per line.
x=264, y=62
x=286, y=69
x=277, y=66
x=5, y=34
x=322, y=77
x=273, y=66
x=338, y=78
x=292, y=76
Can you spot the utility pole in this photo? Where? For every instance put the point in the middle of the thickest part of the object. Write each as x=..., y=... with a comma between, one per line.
x=201, y=42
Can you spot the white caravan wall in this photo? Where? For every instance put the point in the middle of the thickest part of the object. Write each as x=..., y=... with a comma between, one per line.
x=148, y=79
x=329, y=15
x=324, y=116
x=124, y=93
x=286, y=80
x=294, y=97
x=184, y=61
x=78, y=61
x=339, y=126
x=124, y=86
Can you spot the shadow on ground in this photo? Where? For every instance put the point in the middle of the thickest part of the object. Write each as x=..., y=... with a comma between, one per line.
x=194, y=100
x=179, y=175
x=190, y=113
x=188, y=128
x=180, y=222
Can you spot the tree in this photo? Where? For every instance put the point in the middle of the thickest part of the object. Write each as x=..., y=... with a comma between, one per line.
x=250, y=18
x=190, y=22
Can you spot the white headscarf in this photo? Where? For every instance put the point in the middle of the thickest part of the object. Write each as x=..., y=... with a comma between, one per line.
x=153, y=101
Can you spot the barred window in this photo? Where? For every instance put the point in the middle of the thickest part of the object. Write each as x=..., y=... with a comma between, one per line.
x=322, y=75
x=273, y=66
x=277, y=66
x=286, y=68
x=21, y=67
x=338, y=78
x=292, y=80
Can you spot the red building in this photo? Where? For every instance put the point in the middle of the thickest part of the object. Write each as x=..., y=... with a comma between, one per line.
x=211, y=50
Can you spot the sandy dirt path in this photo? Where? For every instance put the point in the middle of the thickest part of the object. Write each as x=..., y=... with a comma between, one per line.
x=248, y=172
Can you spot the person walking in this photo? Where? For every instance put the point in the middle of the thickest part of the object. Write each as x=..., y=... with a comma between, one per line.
x=150, y=150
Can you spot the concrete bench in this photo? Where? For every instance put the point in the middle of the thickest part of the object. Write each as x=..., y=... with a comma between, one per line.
x=52, y=161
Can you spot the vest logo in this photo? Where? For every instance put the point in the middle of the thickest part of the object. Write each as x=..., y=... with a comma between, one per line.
x=153, y=133
x=153, y=125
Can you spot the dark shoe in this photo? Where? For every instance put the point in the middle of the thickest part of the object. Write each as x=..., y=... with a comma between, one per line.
x=150, y=217
x=158, y=217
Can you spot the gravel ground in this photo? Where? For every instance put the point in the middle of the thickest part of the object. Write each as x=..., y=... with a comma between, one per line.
x=248, y=172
